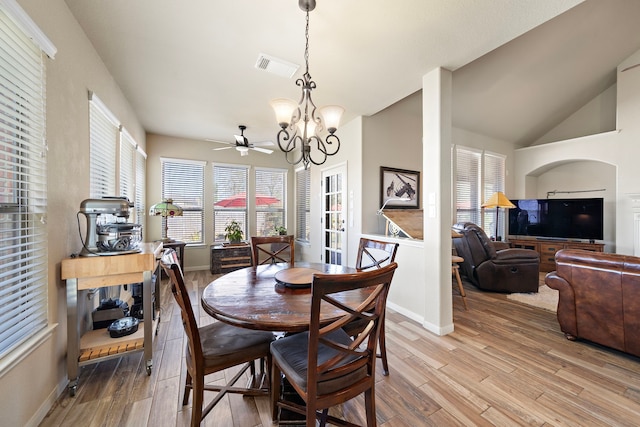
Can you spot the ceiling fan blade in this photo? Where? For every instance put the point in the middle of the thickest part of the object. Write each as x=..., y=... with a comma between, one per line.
x=261, y=144
x=221, y=148
x=220, y=142
x=262, y=150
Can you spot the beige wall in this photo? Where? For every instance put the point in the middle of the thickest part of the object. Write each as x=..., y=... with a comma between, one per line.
x=197, y=256
x=29, y=388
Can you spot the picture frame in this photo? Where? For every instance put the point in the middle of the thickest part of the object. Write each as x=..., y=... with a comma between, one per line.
x=399, y=183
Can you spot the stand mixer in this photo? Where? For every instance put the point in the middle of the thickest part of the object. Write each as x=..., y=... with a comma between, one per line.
x=106, y=234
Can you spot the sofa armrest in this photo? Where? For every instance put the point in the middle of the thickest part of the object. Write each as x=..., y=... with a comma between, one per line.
x=498, y=246
x=566, y=310
x=516, y=254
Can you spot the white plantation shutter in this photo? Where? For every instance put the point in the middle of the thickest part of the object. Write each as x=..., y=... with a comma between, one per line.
x=23, y=188
x=229, y=198
x=468, y=197
x=183, y=181
x=303, y=204
x=494, y=171
x=478, y=175
x=103, y=136
x=271, y=185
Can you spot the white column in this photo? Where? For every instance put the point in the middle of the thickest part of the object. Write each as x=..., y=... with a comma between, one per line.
x=436, y=193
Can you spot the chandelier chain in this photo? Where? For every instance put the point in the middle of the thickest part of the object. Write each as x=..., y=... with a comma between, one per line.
x=306, y=48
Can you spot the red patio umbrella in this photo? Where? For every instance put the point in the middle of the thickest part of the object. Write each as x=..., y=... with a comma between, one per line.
x=240, y=200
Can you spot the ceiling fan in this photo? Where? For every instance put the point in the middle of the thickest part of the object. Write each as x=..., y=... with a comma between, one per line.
x=242, y=144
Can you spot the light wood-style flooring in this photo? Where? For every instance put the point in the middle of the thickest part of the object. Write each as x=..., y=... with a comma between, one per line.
x=506, y=364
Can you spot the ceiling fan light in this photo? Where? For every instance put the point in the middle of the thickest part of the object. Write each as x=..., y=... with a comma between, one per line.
x=284, y=108
x=331, y=115
x=243, y=150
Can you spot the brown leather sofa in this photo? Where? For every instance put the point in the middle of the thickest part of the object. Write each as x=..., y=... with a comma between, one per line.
x=493, y=266
x=599, y=297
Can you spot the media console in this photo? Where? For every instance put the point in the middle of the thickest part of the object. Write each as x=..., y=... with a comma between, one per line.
x=547, y=249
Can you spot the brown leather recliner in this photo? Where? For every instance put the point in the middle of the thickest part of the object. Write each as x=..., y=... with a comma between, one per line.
x=599, y=297
x=493, y=266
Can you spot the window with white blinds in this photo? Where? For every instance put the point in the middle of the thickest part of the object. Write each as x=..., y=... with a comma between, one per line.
x=303, y=204
x=141, y=183
x=493, y=180
x=103, y=138
x=229, y=198
x=270, y=200
x=23, y=188
x=183, y=181
x=127, y=165
x=467, y=185
x=478, y=175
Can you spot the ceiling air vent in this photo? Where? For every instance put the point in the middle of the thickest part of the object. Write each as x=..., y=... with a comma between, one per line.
x=276, y=66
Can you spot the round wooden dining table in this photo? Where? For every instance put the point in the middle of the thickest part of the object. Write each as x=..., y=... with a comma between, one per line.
x=274, y=297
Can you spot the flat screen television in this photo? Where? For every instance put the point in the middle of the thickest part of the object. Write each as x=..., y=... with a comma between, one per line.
x=558, y=218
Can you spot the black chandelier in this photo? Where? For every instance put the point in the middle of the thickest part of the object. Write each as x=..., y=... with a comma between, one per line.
x=300, y=123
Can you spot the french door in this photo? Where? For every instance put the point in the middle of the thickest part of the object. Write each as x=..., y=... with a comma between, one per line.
x=334, y=235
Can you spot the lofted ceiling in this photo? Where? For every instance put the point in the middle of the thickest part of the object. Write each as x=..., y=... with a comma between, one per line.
x=188, y=68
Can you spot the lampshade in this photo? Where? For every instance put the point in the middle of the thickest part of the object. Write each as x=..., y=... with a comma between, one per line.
x=498, y=200
x=284, y=108
x=165, y=208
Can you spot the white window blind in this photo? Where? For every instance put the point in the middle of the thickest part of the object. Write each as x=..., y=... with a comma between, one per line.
x=183, y=181
x=271, y=189
x=493, y=180
x=303, y=204
x=23, y=189
x=103, y=136
x=229, y=198
x=127, y=165
x=478, y=175
x=468, y=197
x=140, y=193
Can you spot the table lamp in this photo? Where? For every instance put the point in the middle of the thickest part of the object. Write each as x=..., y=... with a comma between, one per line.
x=165, y=209
x=498, y=200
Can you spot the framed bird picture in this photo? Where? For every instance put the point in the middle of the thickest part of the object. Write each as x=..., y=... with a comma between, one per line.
x=399, y=188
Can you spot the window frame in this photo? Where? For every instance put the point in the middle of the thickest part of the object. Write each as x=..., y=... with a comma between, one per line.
x=24, y=263
x=279, y=193
x=483, y=181
x=189, y=195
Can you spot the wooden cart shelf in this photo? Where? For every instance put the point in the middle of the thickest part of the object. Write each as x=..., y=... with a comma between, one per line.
x=82, y=273
x=98, y=343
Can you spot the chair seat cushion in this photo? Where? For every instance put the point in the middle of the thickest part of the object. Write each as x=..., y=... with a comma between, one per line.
x=291, y=354
x=226, y=345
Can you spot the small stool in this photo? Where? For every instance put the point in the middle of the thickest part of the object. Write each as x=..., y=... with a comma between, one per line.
x=454, y=270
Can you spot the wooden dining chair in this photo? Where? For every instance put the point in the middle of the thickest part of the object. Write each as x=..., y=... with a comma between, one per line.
x=215, y=347
x=272, y=249
x=324, y=365
x=374, y=254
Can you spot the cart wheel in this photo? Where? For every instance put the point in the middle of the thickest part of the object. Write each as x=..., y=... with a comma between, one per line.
x=148, y=369
x=72, y=390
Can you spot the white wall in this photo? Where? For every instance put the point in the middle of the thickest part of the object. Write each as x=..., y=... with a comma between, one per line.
x=578, y=177
x=617, y=148
x=597, y=116
x=391, y=138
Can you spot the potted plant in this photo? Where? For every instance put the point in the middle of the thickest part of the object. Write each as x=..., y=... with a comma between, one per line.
x=282, y=231
x=233, y=232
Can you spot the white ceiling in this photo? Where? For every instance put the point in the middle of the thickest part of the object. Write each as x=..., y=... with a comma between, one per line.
x=187, y=67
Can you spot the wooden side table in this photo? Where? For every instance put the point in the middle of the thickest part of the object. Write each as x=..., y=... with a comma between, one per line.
x=226, y=258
